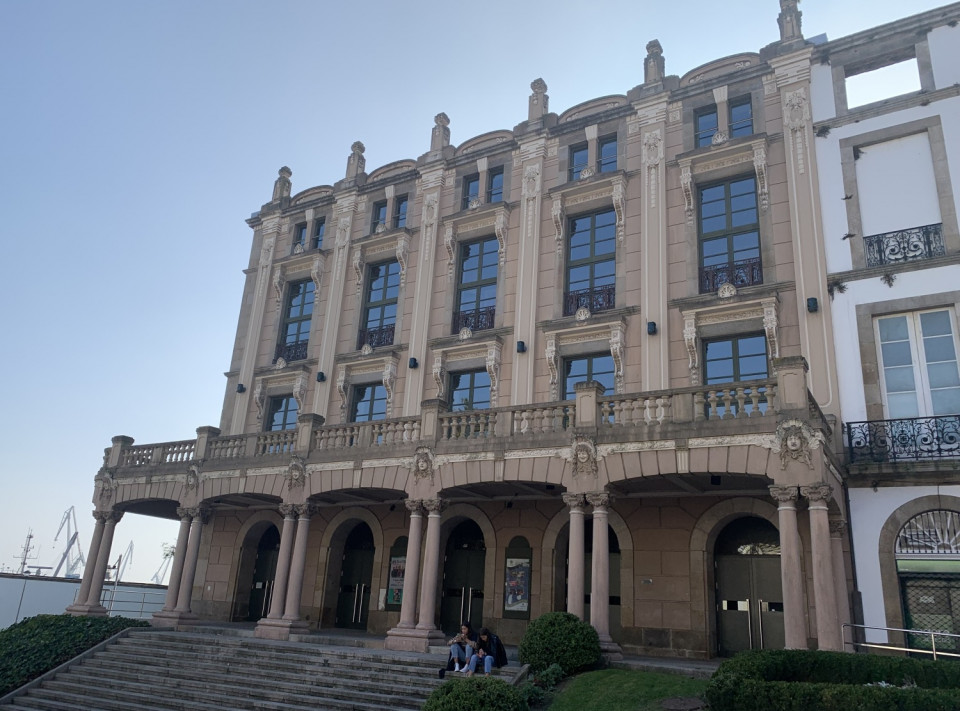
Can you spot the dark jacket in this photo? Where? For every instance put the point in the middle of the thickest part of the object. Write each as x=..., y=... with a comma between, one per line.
x=494, y=648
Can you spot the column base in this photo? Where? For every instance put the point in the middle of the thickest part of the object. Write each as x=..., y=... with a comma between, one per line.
x=610, y=650
x=84, y=610
x=172, y=618
x=411, y=639
x=279, y=629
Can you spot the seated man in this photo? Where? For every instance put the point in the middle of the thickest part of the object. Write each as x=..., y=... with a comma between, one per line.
x=490, y=650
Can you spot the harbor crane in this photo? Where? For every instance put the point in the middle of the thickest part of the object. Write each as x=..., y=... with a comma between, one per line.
x=72, y=554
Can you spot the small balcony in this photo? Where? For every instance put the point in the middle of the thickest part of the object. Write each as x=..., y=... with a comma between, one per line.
x=474, y=319
x=904, y=245
x=599, y=298
x=916, y=439
x=745, y=272
x=375, y=337
x=290, y=351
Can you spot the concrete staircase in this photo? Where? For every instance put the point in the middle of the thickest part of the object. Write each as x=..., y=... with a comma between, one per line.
x=141, y=670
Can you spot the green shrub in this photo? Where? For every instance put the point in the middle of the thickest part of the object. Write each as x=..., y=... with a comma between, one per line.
x=801, y=680
x=550, y=677
x=475, y=693
x=534, y=695
x=560, y=638
x=38, y=644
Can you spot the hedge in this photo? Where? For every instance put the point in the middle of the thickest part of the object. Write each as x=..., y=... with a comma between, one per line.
x=801, y=680
x=560, y=638
x=38, y=644
x=476, y=693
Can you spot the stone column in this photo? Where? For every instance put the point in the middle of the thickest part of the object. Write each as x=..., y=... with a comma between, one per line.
x=431, y=565
x=176, y=574
x=185, y=594
x=575, y=562
x=279, y=596
x=103, y=558
x=298, y=563
x=79, y=605
x=600, y=570
x=824, y=589
x=411, y=576
x=838, y=529
x=791, y=574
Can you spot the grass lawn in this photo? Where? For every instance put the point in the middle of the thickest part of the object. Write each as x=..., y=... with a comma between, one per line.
x=623, y=690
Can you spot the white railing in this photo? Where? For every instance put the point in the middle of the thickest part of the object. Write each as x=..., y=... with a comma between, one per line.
x=933, y=636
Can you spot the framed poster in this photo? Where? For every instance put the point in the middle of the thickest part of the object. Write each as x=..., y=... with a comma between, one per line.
x=516, y=594
x=398, y=566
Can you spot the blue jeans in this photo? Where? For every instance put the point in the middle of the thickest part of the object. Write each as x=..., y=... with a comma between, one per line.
x=487, y=663
x=459, y=653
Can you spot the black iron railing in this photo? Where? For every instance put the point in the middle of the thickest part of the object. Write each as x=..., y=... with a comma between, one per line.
x=915, y=439
x=745, y=272
x=599, y=298
x=904, y=245
x=290, y=351
x=375, y=337
x=474, y=319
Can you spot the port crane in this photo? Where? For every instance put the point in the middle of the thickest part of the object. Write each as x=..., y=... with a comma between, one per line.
x=72, y=554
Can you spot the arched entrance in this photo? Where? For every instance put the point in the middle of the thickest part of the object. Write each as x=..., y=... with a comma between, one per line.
x=749, y=590
x=928, y=568
x=562, y=568
x=356, y=572
x=255, y=575
x=462, y=597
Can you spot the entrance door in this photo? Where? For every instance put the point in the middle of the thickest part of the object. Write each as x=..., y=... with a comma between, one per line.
x=749, y=592
x=264, y=571
x=356, y=573
x=462, y=597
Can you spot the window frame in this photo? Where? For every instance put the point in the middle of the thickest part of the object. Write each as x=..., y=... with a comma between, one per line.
x=494, y=196
x=356, y=402
x=735, y=357
x=378, y=216
x=299, y=237
x=370, y=303
x=469, y=196
x=604, y=166
x=566, y=388
x=573, y=167
x=595, y=297
x=281, y=404
x=291, y=350
x=319, y=230
x=703, y=137
x=482, y=315
x=472, y=389
x=742, y=271
x=734, y=127
x=400, y=205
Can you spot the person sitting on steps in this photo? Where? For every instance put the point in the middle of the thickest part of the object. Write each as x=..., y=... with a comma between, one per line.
x=461, y=648
x=490, y=650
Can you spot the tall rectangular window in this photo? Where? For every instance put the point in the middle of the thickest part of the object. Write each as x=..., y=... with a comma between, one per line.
x=380, y=305
x=495, y=185
x=578, y=160
x=470, y=390
x=735, y=360
x=378, y=221
x=705, y=126
x=471, y=191
x=591, y=263
x=400, y=211
x=477, y=285
x=918, y=358
x=299, y=238
x=281, y=414
x=729, y=235
x=607, y=154
x=598, y=367
x=741, y=117
x=295, y=322
x=369, y=402
x=318, y=229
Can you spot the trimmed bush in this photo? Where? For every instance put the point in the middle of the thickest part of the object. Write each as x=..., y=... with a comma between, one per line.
x=38, y=644
x=560, y=638
x=800, y=680
x=550, y=677
x=475, y=693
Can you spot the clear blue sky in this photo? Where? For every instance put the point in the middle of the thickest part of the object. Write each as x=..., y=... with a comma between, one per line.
x=137, y=136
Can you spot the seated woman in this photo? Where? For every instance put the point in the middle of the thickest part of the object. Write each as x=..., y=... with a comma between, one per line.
x=490, y=650
x=462, y=646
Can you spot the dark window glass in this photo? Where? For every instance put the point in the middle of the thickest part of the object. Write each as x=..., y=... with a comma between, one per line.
x=597, y=367
x=741, y=117
x=300, y=236
x=477, y=287
x=578, y=160
x=379, y=215
x=369, y=403
x=318, y=231
x=607, y=154
x=591, y=262
x=471, y=190
x=706, y=126
x=380, y=306
x=735, y=359
x=729, y=234
x=495, y=185
x=281, y=414
x=470, y=390
x=400, y=211
x=295, y=327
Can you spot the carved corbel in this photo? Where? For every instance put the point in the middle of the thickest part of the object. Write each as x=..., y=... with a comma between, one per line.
x=493, y=370
x=686, y=185
x=760, y=167
x=500, y=230
x=690, y=340
x=558, y=219
x=553, y=363
x=316, y=273
x=279, y=281
x=616, y=350
x=618, y=206
x=403, y=249
x=342, y=390
x=358, y=269
x=300, y=391
x=440, y=374
x=450, y=243
x=770, y=327
x=259, y=397
x=389, y=380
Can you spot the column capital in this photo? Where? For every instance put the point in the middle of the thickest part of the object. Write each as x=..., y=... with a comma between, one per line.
x=184, y=513
x=575, y=501
x=199, y=513
x=817, y=492
x=838, y=527
x=305, y=510
x=601, y=501
x=434, y=506
x=101, y=516
x=784, y=494
x=414, y=506
x=288, y=510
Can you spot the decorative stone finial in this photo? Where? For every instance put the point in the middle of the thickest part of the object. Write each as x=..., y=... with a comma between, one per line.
x=440, y=137
x=653, y=65
x=281, y=188
x=358, y=147
x=356, y=162
x=441, y=119
x=789, y=21
x=539, y=101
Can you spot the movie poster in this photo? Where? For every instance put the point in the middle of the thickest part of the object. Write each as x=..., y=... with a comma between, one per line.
x=517, y=593
x=398, y=564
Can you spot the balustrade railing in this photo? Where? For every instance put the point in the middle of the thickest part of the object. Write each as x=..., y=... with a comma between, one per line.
x=162, y=453
x=336, y=436
x=137, y=456
x=279, y=442
x=599, y=298
x=227, y=447
x=468, y=424
x=394, y=431
x=375, y=337
x=177, y=451
x=543, y=420
x=636, y=410
x=904, y=245
x=914, y=439
x=737, y=401
x=743, y=272
x=290, y=351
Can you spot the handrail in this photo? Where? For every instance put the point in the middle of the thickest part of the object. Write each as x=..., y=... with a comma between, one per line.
x=895, y=648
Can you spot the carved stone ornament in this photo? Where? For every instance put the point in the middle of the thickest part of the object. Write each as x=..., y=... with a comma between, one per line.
x=414, y=506
x=500, y=230
x=259, y=398
x=494, y=354
x=422, y=465
x=652, y=155
x=600, y=501
x=817, y=493
x=403, y=250
x=439, y=373
x=474, y=204
x=465, y=334
x=719, y=138
x=441, y=119
x=618, y=195
x=381, y=228
x=278, y=283
x=553, y=364
x=266, y=252
x=796, y=118
x=316, y=273
x=556, y=212
x=296, y=474
x=287, y=510
x=583, y=313
x=434, y=506
x=366, y=350
x=531, y=181
x=576, y=502
x=616, y=351
x=691, y=341
x=727, y=291
x=583, y=455
x=451, y=244
x=784, y=495
x=342, y=390
x=838, y=528
x=796, y=440
x=106, y=484
x=280, y=364
x=760, y=167
x=587, y=172
x=686, y=185
x=300, y=391
x=192, y=482
x=343, y=231
x=538, y=86
x=358, y=266
x=282, y=185
x=305, y=511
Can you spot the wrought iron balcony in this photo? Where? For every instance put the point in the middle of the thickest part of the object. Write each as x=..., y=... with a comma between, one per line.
x=599, y=298
x=290, y=351
x=745, y=272
x=904, y=245
x=375, y=337
x=474, y=319
x=916, y=439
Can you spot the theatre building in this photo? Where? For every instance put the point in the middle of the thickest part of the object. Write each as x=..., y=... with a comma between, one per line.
x=583, y=364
